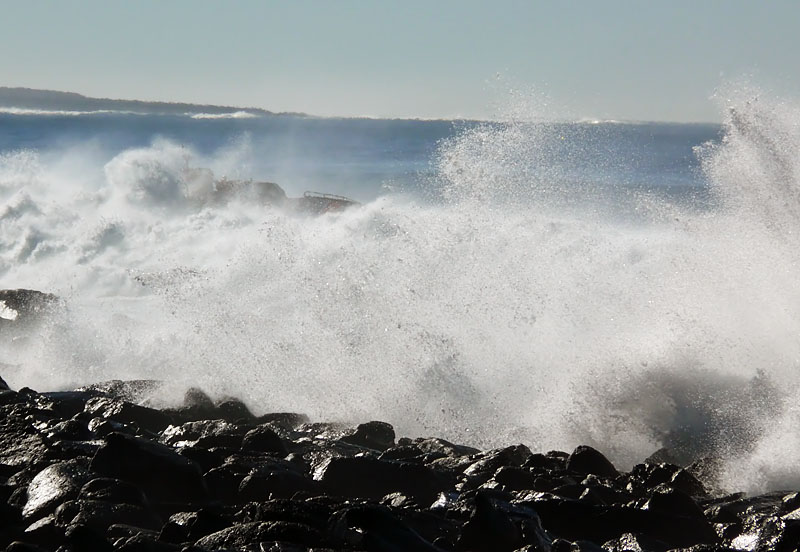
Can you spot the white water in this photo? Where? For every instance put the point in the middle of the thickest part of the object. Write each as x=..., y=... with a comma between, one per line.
x=511, y=313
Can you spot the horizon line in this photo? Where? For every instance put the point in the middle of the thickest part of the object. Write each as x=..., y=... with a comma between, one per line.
x=267, y=112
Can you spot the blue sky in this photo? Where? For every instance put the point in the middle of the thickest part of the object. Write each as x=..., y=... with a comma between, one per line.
x=636, y=60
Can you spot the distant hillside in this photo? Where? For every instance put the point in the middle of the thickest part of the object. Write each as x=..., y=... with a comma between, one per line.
x=51, y=100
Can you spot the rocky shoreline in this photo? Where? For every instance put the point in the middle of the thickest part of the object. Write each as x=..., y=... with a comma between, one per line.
x=92, y=470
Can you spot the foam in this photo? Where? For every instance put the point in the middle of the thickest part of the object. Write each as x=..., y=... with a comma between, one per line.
x=521, y=307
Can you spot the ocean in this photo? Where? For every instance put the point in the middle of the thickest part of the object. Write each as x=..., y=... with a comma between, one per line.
x=630, y=286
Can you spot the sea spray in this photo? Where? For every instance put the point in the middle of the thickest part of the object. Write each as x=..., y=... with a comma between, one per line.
x=528, y=302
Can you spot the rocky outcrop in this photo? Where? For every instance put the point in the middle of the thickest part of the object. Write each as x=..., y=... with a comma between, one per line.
x=93, y=470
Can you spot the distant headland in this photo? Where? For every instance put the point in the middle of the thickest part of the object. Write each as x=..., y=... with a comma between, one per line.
x=52, y=100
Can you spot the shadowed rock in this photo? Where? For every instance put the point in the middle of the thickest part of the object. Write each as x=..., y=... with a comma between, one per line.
x=374, y=435
x=163, y=474
x=54, y=485
x=587, y=460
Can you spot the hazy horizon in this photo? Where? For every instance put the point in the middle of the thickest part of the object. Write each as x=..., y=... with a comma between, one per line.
x=621, y=60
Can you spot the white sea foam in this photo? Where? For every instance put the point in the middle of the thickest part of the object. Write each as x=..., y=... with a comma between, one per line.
x=234, y=115
x=59, y=112
x=509, y=312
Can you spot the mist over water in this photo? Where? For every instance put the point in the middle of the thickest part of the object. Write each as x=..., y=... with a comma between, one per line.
x=521, y=296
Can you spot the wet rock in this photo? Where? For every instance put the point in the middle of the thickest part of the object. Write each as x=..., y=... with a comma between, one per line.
x=163, y=474
x=69, y=430
x=81, y=537
x=19, y=546
x=53, y=485
x=375, y=528
x=257, y=532
x=264, y=439
x=312, y=512
x=445, y=447
x=127, y=413
x=192, y=526
x=135, y=391
x=143, y=543
x=630, y=542
x=515, y=478
x=489, y=529
x=44, y=532
x=673, y=502
x=234, y=411
x=404, y=453
x=3, y=385
x=107, y=489
x=20, y=442
x=20, y=307
x=204, y=434
x=100, y=515
x=65, y=404
x=487, y=464
x=276, y=484
x=285, y=420
x=586, y=460
x=368, y=477
x=374, y=435
x=197, y=405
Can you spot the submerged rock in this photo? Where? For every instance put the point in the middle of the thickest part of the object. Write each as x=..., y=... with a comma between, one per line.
x=24, y=306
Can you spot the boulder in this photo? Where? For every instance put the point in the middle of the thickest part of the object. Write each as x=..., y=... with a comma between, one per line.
x=264, y=439
x=164, y=475
x=371, y=478
x=53, y=485
x=234, y=411
x=100, y=515
x=191, y=526
x=258, y=532
x=586, y=460
x=204, y=434
x=24, y=306
x=20, y=443
x=116, y=491
x=372, y=527
x=374, y=435
x=136, y=391
x=127, y=413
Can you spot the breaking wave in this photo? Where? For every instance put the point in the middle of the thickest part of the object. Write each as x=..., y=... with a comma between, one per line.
x=520, y=306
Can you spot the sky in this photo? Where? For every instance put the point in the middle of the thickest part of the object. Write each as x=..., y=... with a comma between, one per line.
x=610, y=59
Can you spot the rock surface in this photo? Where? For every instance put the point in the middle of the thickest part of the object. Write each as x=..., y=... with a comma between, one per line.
x=93, y=470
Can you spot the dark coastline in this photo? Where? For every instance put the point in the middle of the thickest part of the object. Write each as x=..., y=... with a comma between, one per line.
x=98, y=468
x=91, y=469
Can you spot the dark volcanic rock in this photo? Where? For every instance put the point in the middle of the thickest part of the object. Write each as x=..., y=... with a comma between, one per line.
x=369, y=477
x=234, y=411
x=3, y=385
x=191, y=526
x=224, y=479
x=163, y=474
x=127, y=413
x=20, y=443
x=257, y=532
x=372, y=527
x=53, y=485
x=587, y=460
x=134, y=391
x=204, y=434
x=100, y=515
x=264, y=439
x=113, y=490
x=22, y=306
x=374, y=435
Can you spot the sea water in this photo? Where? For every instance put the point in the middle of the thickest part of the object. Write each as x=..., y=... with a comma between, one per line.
x=630, y=286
